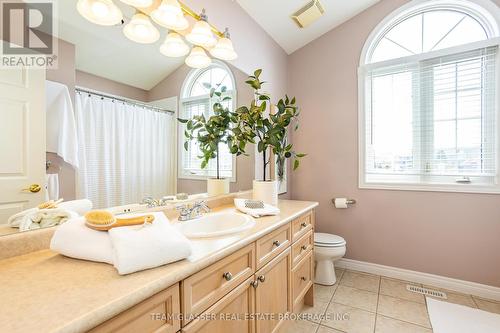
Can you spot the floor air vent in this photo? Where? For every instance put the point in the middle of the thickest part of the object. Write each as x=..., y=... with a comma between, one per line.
x=425, y=291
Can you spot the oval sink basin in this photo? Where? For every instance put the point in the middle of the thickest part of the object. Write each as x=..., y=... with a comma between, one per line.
x=216, y=224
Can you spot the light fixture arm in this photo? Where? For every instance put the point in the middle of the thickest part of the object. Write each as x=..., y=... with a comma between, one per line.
x=199, y=17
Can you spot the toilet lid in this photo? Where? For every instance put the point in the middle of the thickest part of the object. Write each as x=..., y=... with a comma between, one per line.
x=322, y=239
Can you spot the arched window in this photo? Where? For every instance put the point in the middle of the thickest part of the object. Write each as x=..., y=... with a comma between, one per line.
x=195, y=100
x=429, y=98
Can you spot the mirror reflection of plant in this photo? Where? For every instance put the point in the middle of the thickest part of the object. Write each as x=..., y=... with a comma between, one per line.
x=271, y=131
x=212, y=132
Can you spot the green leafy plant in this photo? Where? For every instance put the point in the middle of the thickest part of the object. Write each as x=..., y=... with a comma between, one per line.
x=270, y=131
x=212, y=132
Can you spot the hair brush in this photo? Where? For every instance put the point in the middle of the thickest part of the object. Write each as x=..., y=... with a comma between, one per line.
x=103, y=220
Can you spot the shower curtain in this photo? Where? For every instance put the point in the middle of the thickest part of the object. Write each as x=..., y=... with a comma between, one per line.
x=126, y=151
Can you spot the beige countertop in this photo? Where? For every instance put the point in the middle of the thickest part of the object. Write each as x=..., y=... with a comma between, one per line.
x=46, y=292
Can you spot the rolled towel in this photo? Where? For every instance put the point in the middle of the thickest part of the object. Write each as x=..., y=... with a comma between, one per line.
x=74, y=239
x=147, y=246
x=44, y=218
x=256, y=212
x=79, y=206
x=15, y=220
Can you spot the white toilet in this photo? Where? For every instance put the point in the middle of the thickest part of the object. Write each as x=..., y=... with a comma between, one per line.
x=328, y=248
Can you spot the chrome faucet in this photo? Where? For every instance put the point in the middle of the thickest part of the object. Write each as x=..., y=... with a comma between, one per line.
x=150, y=202
x=190, y=212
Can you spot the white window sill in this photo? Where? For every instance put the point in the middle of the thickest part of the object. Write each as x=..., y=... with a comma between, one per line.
x=453, y=188
x=199, y=177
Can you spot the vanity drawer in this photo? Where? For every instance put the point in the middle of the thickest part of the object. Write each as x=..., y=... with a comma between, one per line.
x=302, y=247
x=301, y=225
x=203, y=289
x=159, y=313
x=269, y=246
x=302, y=279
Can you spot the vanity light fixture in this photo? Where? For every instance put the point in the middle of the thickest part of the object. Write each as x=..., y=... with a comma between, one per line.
x=141, y=30
x=201, y=34
x=169, y=15
x=224, y=48
x=198, y=58
x=138, y=3
x=102, y=12
x=174, y=46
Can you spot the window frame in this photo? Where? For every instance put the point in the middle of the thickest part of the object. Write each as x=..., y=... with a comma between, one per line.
x=416, y=7
x=187, y=86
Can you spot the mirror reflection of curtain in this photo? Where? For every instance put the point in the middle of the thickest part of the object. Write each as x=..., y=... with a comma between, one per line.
x=126, y=151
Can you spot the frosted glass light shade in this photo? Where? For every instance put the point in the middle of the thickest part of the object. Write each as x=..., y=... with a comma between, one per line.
x=102, y=12
x=141, y=30
x=169, y=15
x=201, y=35
x=174, y=46
x=138, y=3
x=198, y=58
x=224, y=50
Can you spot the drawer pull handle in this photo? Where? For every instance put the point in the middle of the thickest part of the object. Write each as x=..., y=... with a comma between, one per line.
x=262, y=278
x=228, y=276
x=276, y=243
x=254, y=284
x=304, y=247
x=303, y=224
x=303, y=278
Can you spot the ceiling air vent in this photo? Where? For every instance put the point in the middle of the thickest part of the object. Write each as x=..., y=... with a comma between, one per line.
x=308, y=14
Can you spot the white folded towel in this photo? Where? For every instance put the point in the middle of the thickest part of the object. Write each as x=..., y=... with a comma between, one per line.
x=79, y=206
x=141, y=247
x=52, y=183
x=74, y=239
x=256, y=212
x=44, y=218
x=15, y=220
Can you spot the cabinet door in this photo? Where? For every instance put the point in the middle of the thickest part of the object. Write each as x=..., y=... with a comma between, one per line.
x=272, y=294
x=233, y=313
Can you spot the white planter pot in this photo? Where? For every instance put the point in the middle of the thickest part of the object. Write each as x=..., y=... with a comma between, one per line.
x=217, y=186
x=266, y=191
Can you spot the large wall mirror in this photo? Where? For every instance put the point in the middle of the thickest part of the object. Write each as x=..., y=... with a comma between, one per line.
x=111, y=136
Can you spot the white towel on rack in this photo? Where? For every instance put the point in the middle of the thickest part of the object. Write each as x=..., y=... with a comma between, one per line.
x=52, y=185
x=141, y=247
x=61, y=125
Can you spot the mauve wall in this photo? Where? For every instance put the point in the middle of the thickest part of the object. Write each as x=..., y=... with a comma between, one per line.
x=171, y=86
x=450, y=234
x=255, y=48
x=101, y=84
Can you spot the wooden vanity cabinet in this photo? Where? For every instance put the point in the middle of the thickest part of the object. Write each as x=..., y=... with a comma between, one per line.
x=248, y=291
x=158, y=314
x=273, y=293
x=230, y=314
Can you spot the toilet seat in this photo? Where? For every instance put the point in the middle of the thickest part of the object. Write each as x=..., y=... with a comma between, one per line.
x=328, y=240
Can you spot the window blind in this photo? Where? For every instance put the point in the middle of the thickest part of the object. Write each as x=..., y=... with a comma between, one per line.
x=433, y=120
x=191, y=161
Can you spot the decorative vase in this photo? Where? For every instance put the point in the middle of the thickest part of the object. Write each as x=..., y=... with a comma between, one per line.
x=266, y=191
x=217, y=186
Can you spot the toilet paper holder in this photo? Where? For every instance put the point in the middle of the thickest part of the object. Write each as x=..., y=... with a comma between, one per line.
x=348, y=201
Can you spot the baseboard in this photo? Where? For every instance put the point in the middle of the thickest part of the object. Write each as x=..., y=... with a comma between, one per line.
x=466, y=287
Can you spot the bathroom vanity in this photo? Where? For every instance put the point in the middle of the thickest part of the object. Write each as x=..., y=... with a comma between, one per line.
x=239, y=283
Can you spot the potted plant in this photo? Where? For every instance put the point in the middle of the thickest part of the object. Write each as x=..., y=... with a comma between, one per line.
x=211, y=133
x=270, y=133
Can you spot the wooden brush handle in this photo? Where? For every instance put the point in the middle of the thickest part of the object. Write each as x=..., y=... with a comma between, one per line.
x=133, y=220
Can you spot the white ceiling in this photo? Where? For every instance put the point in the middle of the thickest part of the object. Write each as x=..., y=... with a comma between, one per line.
x=106, y=52
x=274, y=17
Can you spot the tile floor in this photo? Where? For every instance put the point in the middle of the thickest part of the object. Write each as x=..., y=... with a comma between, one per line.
x=361, y=302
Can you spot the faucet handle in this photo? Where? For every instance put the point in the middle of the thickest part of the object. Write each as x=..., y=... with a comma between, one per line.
x=202, y=205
